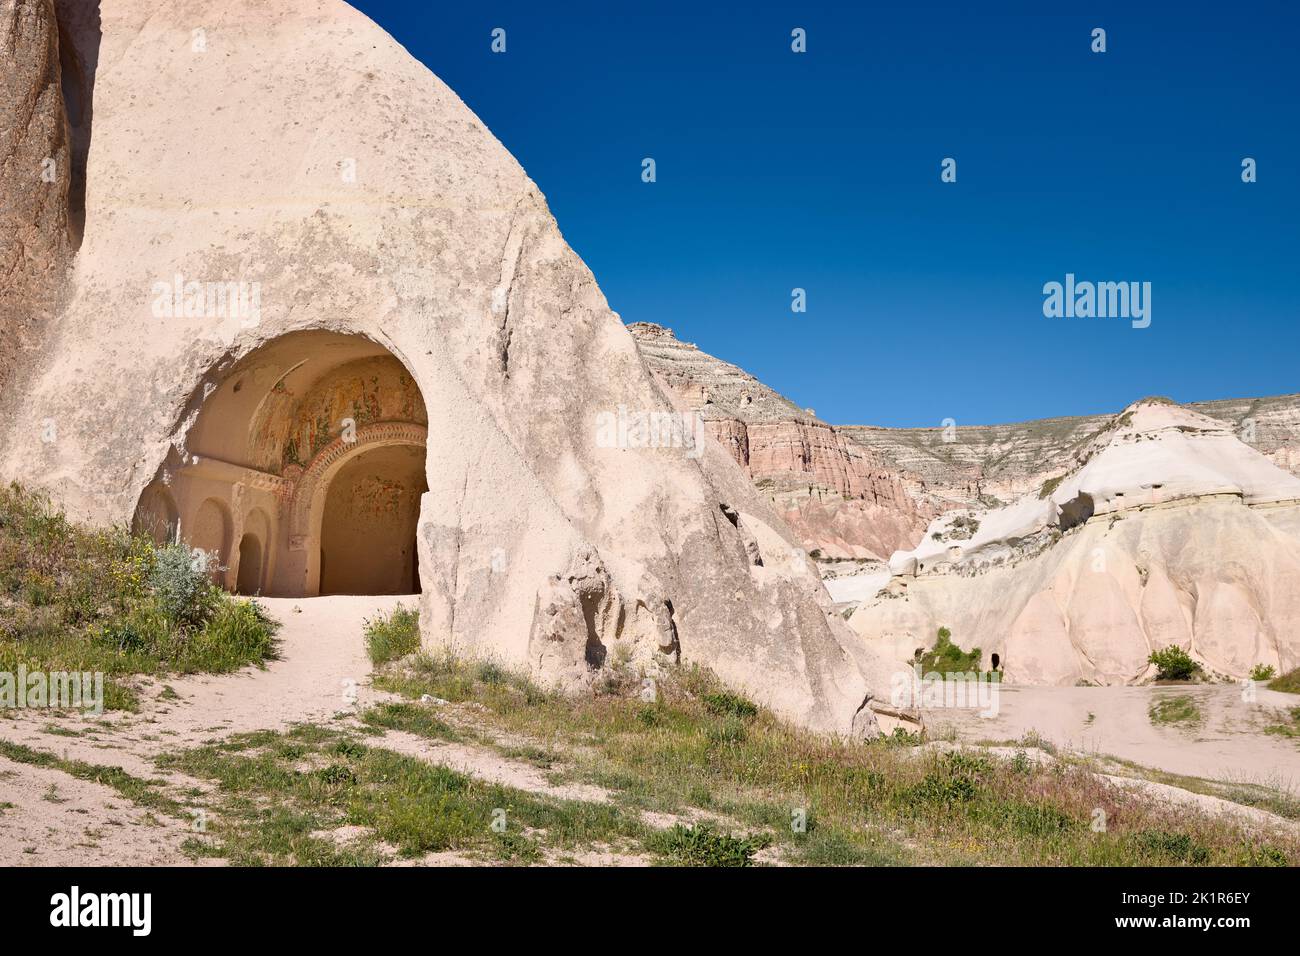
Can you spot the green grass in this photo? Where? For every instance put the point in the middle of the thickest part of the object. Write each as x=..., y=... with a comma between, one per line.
x=1180, y=710
x=393, y=635
x=280, y=795
x=1287, y=728
x=411, y=718
x=702, y=845
x=1288, y=683
x=84, y=599
x=879, y=802
x=143, y=793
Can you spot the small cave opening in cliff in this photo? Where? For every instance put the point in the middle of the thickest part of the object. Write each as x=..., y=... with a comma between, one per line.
x=1076, y=511
x=303, y=473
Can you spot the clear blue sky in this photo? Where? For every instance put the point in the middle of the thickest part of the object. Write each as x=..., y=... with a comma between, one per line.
x=821, y=171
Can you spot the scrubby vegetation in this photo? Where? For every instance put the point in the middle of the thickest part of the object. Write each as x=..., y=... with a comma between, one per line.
x=947, y=658
x=702, y=845
x=684, y=788
x=393, y=635
x=75, y=598
x=1174, y=710
x=281, y=796
x=961, y=528
x=1173, y=663
x=1289, y=728
x=700, y=749
x=1050, y=485
x=1262, y=672
x=1288, y=683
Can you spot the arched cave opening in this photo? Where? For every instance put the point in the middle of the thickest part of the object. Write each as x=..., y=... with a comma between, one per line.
x=303, y=472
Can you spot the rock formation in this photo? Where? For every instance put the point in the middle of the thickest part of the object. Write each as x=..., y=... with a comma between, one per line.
x=842, y=499
x=1166, y=529
x=979, y=465
x=301, y=251
x=35, y=179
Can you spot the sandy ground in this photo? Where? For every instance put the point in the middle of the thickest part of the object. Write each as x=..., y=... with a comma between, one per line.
x=322, y=671
x=48, y=817
x=1229, y=744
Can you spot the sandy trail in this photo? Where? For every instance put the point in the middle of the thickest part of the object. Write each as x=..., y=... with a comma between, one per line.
x=1228, y=744
x=50, y=817
x=322, y=671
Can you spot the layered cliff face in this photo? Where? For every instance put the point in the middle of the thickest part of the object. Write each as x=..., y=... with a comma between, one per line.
x=249, y=239
x=841, y=498
x=980, y=465
x=1165, y=529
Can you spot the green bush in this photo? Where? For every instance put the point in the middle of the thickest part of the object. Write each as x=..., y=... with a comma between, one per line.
x=84, y=598
x=1288, y=683
x=1263, y=672
x=702, y=845
x=724, y=703
x=948, y=658
x=182, y=587
x=1167, y=845
x=239, y=632
x=1173, y=663
x=394, y=635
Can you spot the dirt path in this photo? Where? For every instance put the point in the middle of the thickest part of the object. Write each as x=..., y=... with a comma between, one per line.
x=49, y=816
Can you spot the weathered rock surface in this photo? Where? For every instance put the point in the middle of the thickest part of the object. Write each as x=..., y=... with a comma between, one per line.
x=35, y=171
x=978, y=465
x=297, y=147
x=839, y=497
x=1166, y=530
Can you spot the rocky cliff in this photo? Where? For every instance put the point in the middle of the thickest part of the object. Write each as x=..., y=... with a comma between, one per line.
x=275, y=188
x=36, y=235
x=977, y=465
x=839, y=496
x=1165, y=529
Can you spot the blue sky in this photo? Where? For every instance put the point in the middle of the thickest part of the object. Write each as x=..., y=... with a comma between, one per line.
x=821, y=170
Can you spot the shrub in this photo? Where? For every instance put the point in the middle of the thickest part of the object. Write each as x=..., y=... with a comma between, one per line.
x=1173, y=663
x=240, y=632
x=948, y=658
x=724, y=703
x=702, y=845
x=1263, y=672
x=1172, y=846
x=394, y=635
x=182, y=588
x=78, y=597
x=1288, y=683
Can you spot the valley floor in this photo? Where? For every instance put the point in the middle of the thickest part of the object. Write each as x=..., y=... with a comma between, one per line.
x=307, y=761
x=1223, y=737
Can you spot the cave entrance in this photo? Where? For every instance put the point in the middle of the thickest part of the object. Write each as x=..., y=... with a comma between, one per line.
x=1076, y=511
x=303, y=472
x=368, y=524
